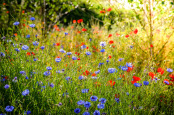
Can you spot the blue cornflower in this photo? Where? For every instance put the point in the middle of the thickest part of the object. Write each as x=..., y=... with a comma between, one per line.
x=83, y=46
x=120, y=59
x=107, y=61
x=93, y=98
x=28, y=112
x=97, y=72
x=102, y=100
x=90, y=39
x=94, y=77
x=6, y=86
x=129, y=64
x=81, y=77
x=85, y=90
x=117, y=100
x=87, y=104
x=169, y=70
x=145, y=82
x=63, y=51
x=35, y=59
x=67, y=78
x=28, y=36
x=32, y=25
x=101, y=106
x=49, y=68
x=102, y=50
x=22, y=72
x=66, y=33
x=16, y=49
x=74, y=58
x=25, y=47
x=88, y=53
x=112, y=70
x=47, y=73
x=2, y=54
x=35, y=43
x=32, y=18
x=81, y=102
x=51, y=85
x=9, y=108
x=127, y=93
x=131, y=47
x=25, y=92
x=58, y=59
x=136, y=84
x=86, y=113
x=96, y=112
x=42, y=47
x=103, y=44
x=77, y=110
x=124, y=68
x=100, y=64
x=16, y=23
x=68, y=53
x=166, y=82
x=36, y=35
x=26, y=77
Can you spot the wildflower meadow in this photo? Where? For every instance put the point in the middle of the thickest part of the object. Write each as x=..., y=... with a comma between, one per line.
x=86, y=57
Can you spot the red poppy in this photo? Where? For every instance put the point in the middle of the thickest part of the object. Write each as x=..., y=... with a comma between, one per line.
x=28, y=54
x=117, y=34
x=111, y=83
x=83, y=29
x=78, y=59
x=15, y=34
x=7, y=12
x=57, y=44
x=117, y=95
x=109, y=57
x=102, y=11
x=113, y=46
x=74, y=21
x=152, y=74
x=87, y=47
x=23, y=11
x=79, y=32
x=122, y=76
x=33, y=53
x=111, y=42
x=160, y=70
x=110, y=35
x=82, y=44
x=130, y=69
x=4, y=4
x=151, y=45
x=172, y=76
x=109, y=9
x=97, y=84
x=127, y=36
x=136, y=78
x=135, y=31
x=86, y=73
x=6, y=77
x=94, y=74
x=80, y=20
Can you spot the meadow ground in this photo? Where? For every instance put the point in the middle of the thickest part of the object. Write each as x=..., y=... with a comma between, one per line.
x=82, y=70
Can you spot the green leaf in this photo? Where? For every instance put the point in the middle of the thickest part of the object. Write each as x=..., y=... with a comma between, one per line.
x=162, y=2
x=130, y=1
